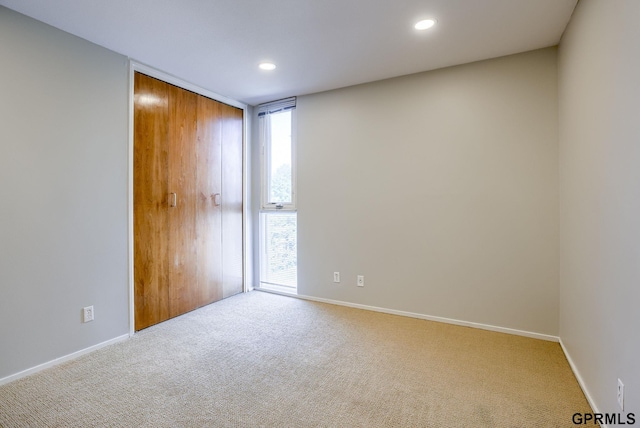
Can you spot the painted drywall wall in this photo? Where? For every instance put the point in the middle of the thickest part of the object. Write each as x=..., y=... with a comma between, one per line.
x=599, y=101
x=441, y=188
x=63, y=193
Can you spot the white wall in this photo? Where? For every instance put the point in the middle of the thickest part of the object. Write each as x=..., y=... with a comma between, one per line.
x=599, y=107
x=441, y=188
x=63, y=193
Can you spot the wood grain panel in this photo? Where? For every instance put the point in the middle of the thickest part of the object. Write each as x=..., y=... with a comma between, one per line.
x=150, y=218
x=232, y=237
x=208, y=216
x=189, y=145
x=183, y=295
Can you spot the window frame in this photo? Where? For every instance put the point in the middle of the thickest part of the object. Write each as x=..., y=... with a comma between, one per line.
x=265, y=154
x=263, y=255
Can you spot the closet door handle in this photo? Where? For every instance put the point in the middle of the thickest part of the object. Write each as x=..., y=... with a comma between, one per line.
x=173, y=199
x=216, y=199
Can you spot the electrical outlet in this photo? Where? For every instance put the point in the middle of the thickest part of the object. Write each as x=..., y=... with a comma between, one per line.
x=336, y=277
x=621, y=394
x=360, y=281
x=87, y=314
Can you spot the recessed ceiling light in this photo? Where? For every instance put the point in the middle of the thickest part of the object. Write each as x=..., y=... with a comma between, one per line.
x=267, y=66
x=425, y=24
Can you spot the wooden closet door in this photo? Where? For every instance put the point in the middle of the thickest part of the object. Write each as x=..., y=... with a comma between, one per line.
x=232, y=236
x=150, y=200
x=182, y=231
x=209, y=200
x=187, y=201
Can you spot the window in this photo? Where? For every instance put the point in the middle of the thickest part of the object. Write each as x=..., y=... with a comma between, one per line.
x=279, y=251
x=278, y=217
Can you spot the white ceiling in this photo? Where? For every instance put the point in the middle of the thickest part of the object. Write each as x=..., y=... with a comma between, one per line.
x=317, y=44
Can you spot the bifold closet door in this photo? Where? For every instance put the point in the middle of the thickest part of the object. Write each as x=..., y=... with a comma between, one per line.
x=151, y=199
x=165, y=202
x=232, y=238
x=182, y=230
x=188, y=241
x=209, y=195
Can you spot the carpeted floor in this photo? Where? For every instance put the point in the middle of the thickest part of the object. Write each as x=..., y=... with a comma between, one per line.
x=263, y=360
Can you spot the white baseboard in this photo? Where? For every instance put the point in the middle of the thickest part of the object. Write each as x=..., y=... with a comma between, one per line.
x=580, y=380
x=63, y=359
x=506, y=330
x=546, y=337
x=550, y=338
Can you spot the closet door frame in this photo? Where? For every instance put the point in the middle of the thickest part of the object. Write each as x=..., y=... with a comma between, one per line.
x=135, y=66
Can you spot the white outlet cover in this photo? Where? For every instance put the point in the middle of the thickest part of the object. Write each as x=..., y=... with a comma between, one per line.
x=87, y=314
x=621, y=394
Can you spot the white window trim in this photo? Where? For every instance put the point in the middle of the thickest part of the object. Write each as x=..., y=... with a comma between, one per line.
x=264, y=174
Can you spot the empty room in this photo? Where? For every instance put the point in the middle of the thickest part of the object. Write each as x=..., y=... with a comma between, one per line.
x=414, y=213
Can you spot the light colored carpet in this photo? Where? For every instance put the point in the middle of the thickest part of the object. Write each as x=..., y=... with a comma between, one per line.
x=263, y=360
